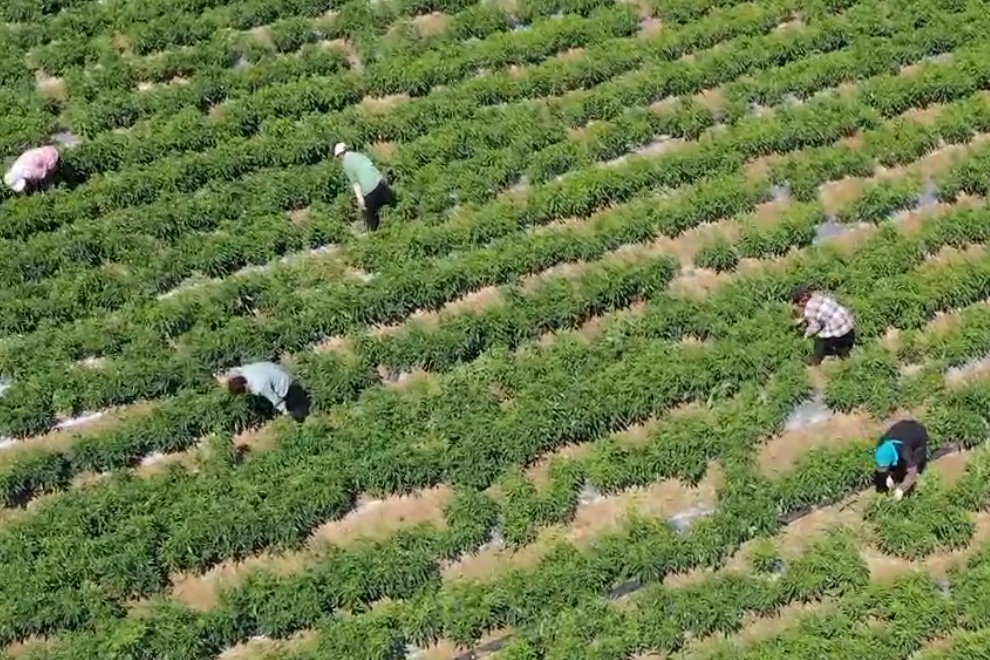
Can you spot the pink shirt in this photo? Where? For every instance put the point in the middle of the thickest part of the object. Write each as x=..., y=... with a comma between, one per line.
x=32, y=165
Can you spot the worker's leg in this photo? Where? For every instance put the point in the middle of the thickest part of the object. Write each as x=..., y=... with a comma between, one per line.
x=921, y=458
x=818, y=353
x=297, y=402
x=388, y=197
x=373, y=207
x=843, y=345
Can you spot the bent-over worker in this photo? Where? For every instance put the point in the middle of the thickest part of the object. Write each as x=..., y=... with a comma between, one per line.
x=828, y=322
x=370, y=189
x=901, y=455
x=32, y=168
x=272, y=382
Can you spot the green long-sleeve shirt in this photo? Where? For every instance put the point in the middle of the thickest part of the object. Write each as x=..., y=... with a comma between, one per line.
x=361, y=171
x=266, y=379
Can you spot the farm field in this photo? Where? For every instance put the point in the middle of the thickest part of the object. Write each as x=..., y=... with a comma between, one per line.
x=559, y=409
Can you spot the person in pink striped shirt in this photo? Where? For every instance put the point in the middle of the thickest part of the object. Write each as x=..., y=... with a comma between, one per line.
x=32, y=168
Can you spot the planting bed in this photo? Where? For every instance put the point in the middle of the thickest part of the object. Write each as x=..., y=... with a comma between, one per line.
x=559, y=411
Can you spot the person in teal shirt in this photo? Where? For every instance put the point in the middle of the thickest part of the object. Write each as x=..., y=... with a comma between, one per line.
x=370, y=189
x=901, y=454
x=270, y=381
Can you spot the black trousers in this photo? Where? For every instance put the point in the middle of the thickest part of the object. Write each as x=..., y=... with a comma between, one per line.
x=297, y=402
x=837, y=346
x=374, y=202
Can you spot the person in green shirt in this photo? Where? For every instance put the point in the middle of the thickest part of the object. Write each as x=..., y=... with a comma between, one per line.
x=270, y=381
x=370, y=189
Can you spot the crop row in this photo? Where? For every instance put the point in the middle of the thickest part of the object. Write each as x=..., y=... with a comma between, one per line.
x=403, y=123
x=165, y=327
x=922, y=530
x=216, y=207
x=568, y=392
x=502, y=212
x=164, y=30
x=617, y=55
x=186, y=102
x=524, y=312
x=935, y=520
x=622, y=54
x=220, y=255
x=607, y=59
x=424, y=609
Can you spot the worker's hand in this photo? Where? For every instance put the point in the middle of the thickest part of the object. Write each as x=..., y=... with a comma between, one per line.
x=360, y=203
x=898, y=494
x=890, y=482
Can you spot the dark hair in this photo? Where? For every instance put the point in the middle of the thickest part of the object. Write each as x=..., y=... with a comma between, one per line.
x=800, y=294
x=237, y=385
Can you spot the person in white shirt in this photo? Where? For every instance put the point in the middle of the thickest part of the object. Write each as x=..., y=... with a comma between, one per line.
x=270, y=381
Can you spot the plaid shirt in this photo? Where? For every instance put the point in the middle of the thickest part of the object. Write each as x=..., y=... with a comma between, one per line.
x=826, y=318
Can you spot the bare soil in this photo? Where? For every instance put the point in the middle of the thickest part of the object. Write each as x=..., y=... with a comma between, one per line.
x=759, y=168
x=263, y=35
x=379, y=518
x=792, y=24
x=659, y=500
x=298, y=215
x=491, y=562
x=650, y=26
x=591, y=521
x=341, y=344
x=837, y=195
x=698, y=282
x=927, y=115
x=538, y=471
x=431, y=24
x=60, y=440
x=27, y=646
x=445, y=650
x=383, y=104
x=50, y=86
x=781, y=452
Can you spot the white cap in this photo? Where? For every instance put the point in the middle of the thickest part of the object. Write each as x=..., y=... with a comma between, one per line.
x=15, y=182
x=339, y=149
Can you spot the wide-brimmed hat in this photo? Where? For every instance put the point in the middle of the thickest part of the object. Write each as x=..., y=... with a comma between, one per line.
x=339, y=149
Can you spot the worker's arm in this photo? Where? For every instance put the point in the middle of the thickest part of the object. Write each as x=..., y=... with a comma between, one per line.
x=910, y=476
x=357, y=195
x=811, y=316
x=268, y=392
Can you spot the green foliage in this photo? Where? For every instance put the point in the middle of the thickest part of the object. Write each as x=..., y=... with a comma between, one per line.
x=764, y=556
x=717, y=254
x=924, y=522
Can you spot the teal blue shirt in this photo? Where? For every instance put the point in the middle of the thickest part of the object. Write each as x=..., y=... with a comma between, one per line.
x=360, y=170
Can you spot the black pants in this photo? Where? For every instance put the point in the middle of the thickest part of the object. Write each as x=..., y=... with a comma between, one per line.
x=297, y=402
x=374, y=201
x=837, y=346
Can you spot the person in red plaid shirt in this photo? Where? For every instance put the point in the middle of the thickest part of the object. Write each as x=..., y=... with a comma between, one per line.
x=828, y=322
